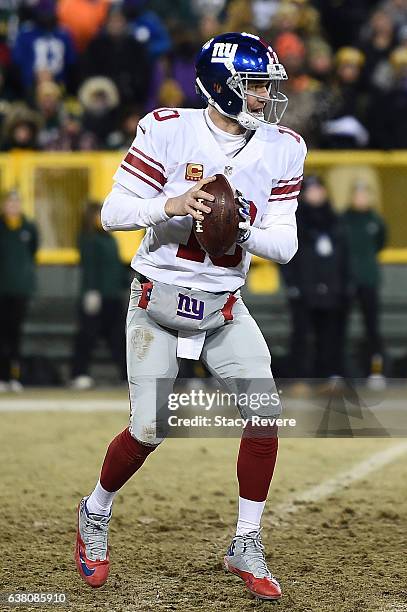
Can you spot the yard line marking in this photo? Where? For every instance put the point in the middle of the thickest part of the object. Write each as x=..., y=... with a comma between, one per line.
x=332, y=485
x=63, y=405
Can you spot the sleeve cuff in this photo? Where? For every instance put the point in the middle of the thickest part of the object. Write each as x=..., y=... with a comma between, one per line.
x=157, y=212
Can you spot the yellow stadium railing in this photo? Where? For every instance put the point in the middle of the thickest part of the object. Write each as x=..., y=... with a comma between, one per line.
x=56, y=186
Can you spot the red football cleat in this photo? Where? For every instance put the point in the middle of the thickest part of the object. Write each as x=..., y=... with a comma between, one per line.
x=245, y=558
x=91, y=550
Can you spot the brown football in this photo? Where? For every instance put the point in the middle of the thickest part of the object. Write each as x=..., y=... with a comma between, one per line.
x=218, y=231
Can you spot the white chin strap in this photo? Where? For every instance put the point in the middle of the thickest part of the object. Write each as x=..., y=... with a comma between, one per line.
x=248, y=121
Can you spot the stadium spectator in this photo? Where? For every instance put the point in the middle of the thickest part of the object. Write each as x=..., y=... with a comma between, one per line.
x=83, y=19
x=387, y=109
x=71, y=136
x=20, y=129
x=238, y=17
x=5, y=55
x=147, y=28
x=115, y=54
x=397, y=10
x=297, y=17
x=174, y=12
x=320, y=60
x=343, y=19
x=181, y=65
x=309, y=19
x=170, y=94
x=263, y=13
x=128, y=122
x=43, y=46
x=302, y=90
x=101, y=310
x=316, y=282
x=346, y=106
x=6, y=96
x=377, y=42
x=18, y=245
x=100, y=100
x=49, y=105
x=365, y=232
x=208, y=27
x=286, y=20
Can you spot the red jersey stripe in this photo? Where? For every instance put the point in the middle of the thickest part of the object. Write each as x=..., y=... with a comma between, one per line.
x=149, y=158
x=286, y=189
x=136, y=162
x=284, y=199
x=142, y=178
x=295, y=178
x=284, y=130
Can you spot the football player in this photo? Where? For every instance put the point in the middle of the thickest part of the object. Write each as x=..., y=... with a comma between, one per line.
x=160, y=186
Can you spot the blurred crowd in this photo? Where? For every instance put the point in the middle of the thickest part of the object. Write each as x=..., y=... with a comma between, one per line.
x=79, y=74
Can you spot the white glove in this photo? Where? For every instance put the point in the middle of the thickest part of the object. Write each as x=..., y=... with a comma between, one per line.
x=92, y=302
x=244, y=212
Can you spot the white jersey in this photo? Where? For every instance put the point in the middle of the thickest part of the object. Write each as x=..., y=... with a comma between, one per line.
x=173, y=149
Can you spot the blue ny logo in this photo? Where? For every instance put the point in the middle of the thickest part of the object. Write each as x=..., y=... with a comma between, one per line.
x=190, y=308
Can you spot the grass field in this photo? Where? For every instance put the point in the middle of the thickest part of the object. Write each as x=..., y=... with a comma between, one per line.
x=340, y=547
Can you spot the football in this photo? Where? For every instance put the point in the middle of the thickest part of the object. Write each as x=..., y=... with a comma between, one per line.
x=217, y=233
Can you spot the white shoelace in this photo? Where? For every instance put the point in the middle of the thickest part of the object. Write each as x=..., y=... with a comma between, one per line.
x=95, y=538
x=253, y=551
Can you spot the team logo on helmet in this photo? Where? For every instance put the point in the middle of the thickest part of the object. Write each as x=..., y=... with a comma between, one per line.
x=223, y=51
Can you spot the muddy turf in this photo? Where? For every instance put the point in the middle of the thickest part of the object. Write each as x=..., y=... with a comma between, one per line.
x=172, y=523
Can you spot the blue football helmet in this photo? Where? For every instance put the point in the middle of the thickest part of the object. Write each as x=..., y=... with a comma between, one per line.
x=228, y=65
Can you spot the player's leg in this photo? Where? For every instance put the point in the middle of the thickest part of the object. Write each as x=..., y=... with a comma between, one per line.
x=151, y=355
x=238, y=354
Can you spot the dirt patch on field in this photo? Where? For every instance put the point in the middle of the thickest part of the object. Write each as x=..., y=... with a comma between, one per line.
x=173, y=522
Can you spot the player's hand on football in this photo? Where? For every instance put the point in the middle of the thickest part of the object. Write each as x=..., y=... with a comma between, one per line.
x=244, y=212
x=193, y=202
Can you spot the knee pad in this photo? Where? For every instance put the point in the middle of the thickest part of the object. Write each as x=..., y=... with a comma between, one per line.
x=145, y=433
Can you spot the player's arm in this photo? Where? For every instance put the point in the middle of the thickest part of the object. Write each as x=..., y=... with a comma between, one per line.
x=137, y=200
x=276, y=238
x=126, y=210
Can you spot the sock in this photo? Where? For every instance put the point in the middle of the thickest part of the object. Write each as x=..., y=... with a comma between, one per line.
x=256, y=461
x=124, y=457
x=255, y=467
x=100, y=501
x=249, y=515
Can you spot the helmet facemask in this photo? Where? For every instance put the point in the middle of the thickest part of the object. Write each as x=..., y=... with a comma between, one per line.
x=275, y=103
